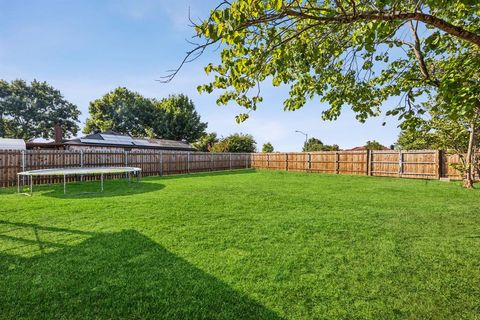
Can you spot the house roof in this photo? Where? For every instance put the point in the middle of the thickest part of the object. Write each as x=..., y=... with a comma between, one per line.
x=114, y=139
x=362, y=148
x=12, y=144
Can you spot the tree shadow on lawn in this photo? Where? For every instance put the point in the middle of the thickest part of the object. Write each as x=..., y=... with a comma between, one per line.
x=114, y=275
x=86, y=190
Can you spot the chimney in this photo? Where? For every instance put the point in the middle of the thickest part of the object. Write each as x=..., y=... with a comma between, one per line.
x=58, y=134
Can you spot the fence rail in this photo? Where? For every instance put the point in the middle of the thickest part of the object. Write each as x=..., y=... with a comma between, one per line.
x=417, y=164
x=151, y=162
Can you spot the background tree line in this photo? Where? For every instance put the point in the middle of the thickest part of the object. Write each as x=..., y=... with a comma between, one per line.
x=237, y=142
x=31, y=110
x=174, y=118
x=125, y=111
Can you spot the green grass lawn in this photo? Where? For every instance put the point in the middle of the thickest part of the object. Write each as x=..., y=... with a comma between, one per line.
x=242, y=245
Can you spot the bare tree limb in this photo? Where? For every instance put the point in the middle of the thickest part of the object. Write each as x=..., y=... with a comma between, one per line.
x=418, y=53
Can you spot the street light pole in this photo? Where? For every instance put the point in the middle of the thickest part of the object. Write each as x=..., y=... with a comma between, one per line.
x=305, y=134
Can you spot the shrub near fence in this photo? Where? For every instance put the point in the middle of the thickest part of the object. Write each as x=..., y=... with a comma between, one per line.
x=151, y=162
x=421, y=164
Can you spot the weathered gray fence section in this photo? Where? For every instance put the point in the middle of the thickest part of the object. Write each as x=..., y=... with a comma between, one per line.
x=152, y=163
x=417, y=164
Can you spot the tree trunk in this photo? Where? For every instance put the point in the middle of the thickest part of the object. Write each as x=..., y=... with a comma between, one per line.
x=470, y=168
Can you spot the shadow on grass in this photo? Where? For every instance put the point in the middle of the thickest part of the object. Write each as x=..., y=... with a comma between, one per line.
x=91, y=189
x=114, y=275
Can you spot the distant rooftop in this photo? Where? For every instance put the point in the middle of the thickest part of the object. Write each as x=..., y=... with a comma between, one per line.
x=12, y=144
x=111, y=138
x=362, y=148
x=41, y=140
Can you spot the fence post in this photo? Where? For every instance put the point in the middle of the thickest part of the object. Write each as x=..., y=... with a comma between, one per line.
x=81, y=163
x=268, y=160
x=230, y=160
x=24, y=166
x=23, y=160
x=247, y=155
x=286, y=161
x=400, y=163
x=81, y=158
x=370, y=162
x=161, y=163
x=309, y=162
x=337, y=163
x=439, y=164
x=211, y=161
x=188, y=162
x=168, y=165
x=126, y=162
x=367, y=162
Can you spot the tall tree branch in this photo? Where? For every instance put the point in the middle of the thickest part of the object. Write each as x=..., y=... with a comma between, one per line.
x=417, y=50
x=428, y=19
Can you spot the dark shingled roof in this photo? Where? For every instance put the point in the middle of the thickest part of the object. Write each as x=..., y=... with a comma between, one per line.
x=115, y=139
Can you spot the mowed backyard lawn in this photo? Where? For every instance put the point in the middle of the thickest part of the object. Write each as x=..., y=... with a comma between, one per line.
x=242, y=245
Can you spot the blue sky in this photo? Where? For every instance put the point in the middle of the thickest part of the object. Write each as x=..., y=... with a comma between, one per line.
x=87, y=48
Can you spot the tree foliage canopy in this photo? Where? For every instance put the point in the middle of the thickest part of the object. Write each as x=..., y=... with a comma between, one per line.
x=374, y=145
x=437, y=131
x=32, y=110
x=206, y=142
x=416, y=140
x=120, y=110
x=175, y=118
x=236, y=143
x=314, y=144
x=129, y=112
x=267, y=148
x=346, y=52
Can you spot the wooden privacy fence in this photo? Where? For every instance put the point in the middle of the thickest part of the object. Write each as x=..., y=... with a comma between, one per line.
x=151, y=162
x=422, y=164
